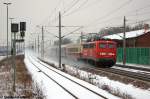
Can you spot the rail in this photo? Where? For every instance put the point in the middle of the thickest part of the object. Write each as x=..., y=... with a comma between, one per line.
x=66, y=78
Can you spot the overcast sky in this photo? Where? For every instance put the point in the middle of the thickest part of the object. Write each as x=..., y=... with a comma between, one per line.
x=92, y=14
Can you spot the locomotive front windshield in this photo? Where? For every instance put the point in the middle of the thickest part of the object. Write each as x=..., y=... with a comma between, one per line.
x=103, y=45
x=111, y=46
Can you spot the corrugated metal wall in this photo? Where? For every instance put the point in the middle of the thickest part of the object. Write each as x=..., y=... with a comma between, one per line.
x=135, y=55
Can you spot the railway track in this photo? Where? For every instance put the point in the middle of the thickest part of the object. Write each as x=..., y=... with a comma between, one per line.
x=134, y=75
x=134, y=70
x=142, y=76
x=133, y=67
x=69, y=79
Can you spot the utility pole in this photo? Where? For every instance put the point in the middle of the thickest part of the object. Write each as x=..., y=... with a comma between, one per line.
x=81, y=41
x=7, y=26
x=38, y=44
x=35, y=45
x=42, y=42
x=14, y=64
x=17, y=45
x=60, y=37
x=59, y=40
x=81, y=37
x=42, y=47
x=124, y=42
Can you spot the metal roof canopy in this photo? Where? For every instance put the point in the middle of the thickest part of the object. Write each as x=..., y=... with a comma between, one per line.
x=131, y=34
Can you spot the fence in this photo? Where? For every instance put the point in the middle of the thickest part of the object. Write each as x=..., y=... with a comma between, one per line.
x=135, y=55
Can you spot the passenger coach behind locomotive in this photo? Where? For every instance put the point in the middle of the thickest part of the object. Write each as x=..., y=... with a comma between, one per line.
x=103, y=52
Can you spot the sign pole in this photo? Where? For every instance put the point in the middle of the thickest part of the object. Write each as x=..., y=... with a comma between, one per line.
x=60, y=40
x=14, y=64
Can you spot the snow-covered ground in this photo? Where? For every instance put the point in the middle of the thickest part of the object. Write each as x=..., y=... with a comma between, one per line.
x=129, y=89
x=53, y=91
x=2, y=57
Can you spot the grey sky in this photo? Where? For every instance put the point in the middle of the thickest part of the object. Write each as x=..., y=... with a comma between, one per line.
x=76, y=12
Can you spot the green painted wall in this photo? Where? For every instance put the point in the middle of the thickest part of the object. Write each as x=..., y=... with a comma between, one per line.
x=135, y=55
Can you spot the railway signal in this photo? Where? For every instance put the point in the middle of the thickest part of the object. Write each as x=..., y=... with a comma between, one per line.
x=15, y=30
x=14, y=27
x=22, y=29
x=22, y=26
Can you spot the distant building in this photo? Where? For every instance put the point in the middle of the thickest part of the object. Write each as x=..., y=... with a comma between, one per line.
x=140, y=38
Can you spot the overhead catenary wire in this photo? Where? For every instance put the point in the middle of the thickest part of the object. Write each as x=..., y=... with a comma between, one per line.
x=113, y=11
x=65, y=10
x=145, y=20
x=52, y=12
x=110, y=13
x=130, y=12
x=69, y=8
x=139, y=14
x=130, y=15
x=72, y=32
x=81, y=7
x=98, y=18
x=136, y=9
x=51, y=34
x=139, y=9
x=75, y=10
x=120, y=16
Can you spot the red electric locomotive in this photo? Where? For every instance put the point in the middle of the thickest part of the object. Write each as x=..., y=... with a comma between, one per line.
x=103, y=52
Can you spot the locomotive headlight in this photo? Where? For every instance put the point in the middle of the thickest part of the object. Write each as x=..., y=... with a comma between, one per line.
x=111, y=54
x=102, y=53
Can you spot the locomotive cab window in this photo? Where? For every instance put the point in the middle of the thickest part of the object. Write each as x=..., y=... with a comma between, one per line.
x=111, y=46
x=102, y=45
